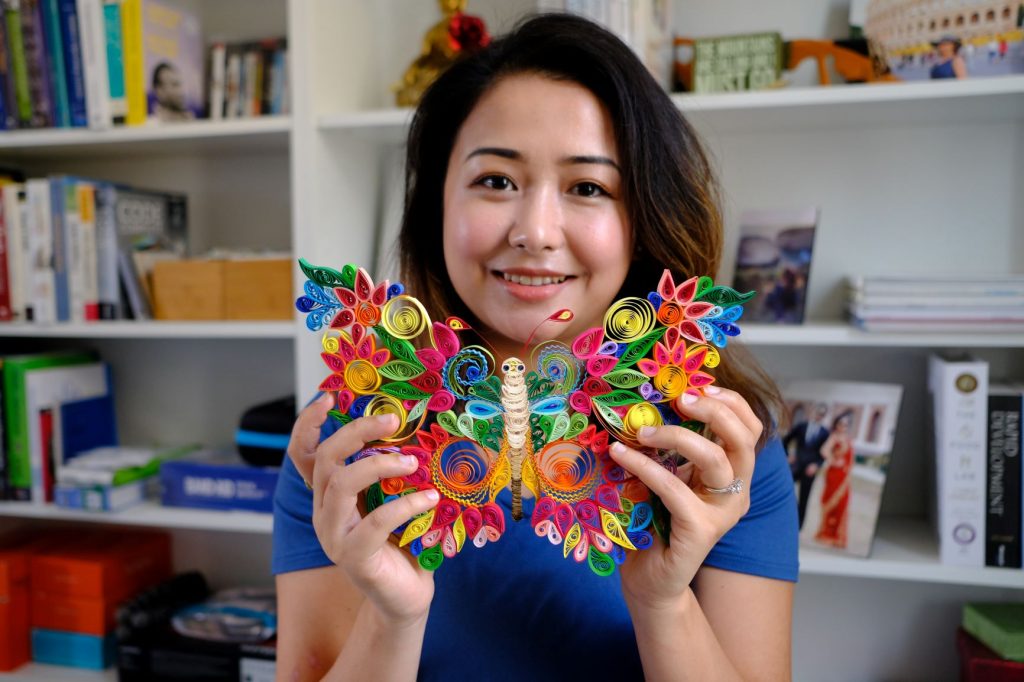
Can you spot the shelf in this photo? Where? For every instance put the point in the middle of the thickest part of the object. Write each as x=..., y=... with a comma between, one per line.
x=193, y=138
x=906, y=549
x=130, y=329
x=34, y=672
x=843, y=334
x=837, y=106
x=148, y=514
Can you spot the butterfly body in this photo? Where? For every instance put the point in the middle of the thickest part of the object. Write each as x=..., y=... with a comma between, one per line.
x=543, y=420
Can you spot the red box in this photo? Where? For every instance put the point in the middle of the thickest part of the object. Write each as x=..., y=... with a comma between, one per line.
x=14, y=624
x=978, y=663
x=84, y=615
x=108, y=566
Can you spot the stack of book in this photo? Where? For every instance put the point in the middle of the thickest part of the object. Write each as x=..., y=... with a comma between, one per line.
x=977, y=437
x=77, y=249
x=99, y=63
x=982, y=303
x=991, y=642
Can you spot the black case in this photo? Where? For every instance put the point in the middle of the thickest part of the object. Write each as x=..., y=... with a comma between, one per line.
x=263, y=432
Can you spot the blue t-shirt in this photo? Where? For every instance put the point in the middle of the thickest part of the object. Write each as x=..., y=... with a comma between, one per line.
x=515, y=607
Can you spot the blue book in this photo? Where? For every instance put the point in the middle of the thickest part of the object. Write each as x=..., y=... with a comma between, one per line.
x=88, y=423
x=115, y=62
x=55, y=48
x=223, y=482
x=74, y=68
x=58, y=221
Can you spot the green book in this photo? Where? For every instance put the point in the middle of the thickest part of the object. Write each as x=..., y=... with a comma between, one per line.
x=999, y=626
x=16, y=426
x=19, y=66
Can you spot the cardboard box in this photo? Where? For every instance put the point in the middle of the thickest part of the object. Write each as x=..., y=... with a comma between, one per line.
x=218, y=481
x=14, y=621
x=978, y=663
x=253, y=289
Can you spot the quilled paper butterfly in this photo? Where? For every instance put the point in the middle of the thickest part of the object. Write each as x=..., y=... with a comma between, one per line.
x=477, y=425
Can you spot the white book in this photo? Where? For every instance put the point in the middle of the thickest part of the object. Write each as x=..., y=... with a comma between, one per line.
x=959, y=391
x=47, y=389
x=90, y=268
x=13, y=198
x=74, y=256
x=108, y=290
x=93, y=33
x=218, y=66
x=233, y=85
x=41, y=290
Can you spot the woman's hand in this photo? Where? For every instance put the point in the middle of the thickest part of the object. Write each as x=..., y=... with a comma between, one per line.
x=659, y=577
x=386, y=575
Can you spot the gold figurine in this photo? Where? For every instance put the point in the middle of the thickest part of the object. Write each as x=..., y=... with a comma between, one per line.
x=444, y=42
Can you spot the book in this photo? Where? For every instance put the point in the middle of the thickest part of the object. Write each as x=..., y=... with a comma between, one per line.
x=40, y=282
x=39, y=86
x=998, y=625
x=12, y=197
x=93, y=31
x=100, y=497
x=840, y=447
x=115, y=60
x=774, y=259
x=21, y=102
x=1003, y=484
x=163, y=62
x=55, y=63
x=117, y=465
x=74, y=68
x=951, y=284
x=978, y=663
x=958, y=386
x=730, y=63
x=107, y=287
x=6, y=283
x=82, y=395
x=16, y=413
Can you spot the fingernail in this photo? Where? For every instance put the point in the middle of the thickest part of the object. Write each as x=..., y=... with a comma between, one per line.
x=712, y=390
x=384, y=419
x=407, y=460
x=326, y=398
x=646, y=431
x=433, y=495
x=688, y=398
x=618, y=448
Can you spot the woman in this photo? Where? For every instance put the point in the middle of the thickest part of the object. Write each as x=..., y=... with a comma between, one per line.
x=548, y=171
x=835, y=498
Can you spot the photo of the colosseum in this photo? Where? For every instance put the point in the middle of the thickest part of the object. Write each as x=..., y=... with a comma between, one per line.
x=922, y=39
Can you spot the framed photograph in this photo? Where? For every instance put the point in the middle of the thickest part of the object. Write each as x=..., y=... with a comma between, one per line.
x=926, y=41
x=839, y=446
x=774, y=259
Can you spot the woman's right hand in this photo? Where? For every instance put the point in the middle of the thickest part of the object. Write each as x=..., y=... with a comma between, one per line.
x=389, y=577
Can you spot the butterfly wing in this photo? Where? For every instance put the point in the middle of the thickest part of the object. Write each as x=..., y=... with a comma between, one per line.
x=649, y=352
x=444, y=395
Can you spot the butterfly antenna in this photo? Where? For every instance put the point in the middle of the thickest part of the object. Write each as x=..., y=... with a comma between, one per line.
x=459, y=325
x=563, y=315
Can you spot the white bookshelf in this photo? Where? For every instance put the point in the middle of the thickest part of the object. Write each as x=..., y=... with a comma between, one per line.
x=913, y=177
x=149, y=514
x=34, y=672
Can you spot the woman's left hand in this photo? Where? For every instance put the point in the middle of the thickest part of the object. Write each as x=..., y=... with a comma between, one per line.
x=658, y=577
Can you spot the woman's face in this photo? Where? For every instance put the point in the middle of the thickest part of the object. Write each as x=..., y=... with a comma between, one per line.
x=534, y=219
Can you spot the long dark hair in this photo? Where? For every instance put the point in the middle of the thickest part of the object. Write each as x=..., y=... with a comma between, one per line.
x=668, y=185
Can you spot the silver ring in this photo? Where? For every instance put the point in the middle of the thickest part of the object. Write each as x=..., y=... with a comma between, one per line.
x=736, y=487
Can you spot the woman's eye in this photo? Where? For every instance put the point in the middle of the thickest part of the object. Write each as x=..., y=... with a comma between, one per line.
x=498, y=182
x=589, y=189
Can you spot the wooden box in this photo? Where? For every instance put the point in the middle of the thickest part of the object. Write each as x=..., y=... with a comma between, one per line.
x=255, y=289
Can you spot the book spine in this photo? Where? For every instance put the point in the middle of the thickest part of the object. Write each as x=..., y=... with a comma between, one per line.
x=19, y=472
x=74, y=69
x=6, y=311
x=89, y=264
x=106, y=253
x=6, y=98
x=115, y=60
x=42, y=293
x=1003, y=501
x=218, y=55
x=58, y=74
x=73, y=256
x=19, y=66
x=134, y=65
x=960, y=396
x=40, y=91
x=15, y=248
x=233, y=83
x=94, y=61
x=61, y=241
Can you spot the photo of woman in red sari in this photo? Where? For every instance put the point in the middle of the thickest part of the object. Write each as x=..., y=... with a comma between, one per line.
x=835, y=498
